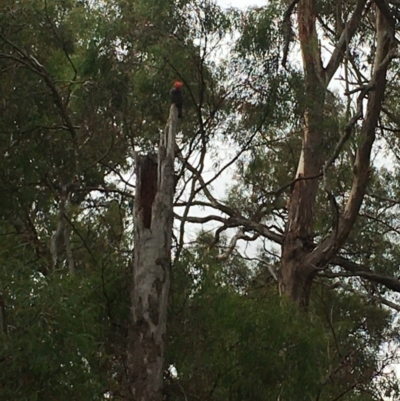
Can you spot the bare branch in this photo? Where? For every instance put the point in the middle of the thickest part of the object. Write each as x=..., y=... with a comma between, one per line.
x=386, y=302
x=236, y=221
x=391, y=283
x=59, y=233
x=288, y=31
x=238, y=236
x=349, y=126
x=380, y=299
x=385, y=10
x=323, y=253
x=344, y=40
x=196, y=174
x=206, y=191
x=385, y=53
x=383, y=199
x=67, y=237
x=201, y=220
x=359, y=270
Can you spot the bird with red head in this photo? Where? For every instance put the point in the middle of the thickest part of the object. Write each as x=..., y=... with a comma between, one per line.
x=176, y=95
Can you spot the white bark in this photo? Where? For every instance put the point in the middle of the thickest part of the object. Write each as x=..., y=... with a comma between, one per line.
x=56, y=238
x=151, y=275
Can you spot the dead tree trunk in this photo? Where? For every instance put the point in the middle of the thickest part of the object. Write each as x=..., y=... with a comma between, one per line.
x=151, y=273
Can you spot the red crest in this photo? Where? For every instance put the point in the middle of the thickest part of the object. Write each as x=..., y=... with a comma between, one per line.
x=178, y=84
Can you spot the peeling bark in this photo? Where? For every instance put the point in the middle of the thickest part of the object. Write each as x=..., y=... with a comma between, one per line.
x=296, y=275
x=151, y=273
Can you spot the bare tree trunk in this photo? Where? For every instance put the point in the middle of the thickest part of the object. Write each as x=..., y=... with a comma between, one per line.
x=151, y=274
x=62, y=234
x=67, y=237
x=56, y=238
x=296, y=275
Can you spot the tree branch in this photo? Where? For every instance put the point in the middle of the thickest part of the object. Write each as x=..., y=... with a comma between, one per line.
x=357, y=270
x=236, y=221
x=232, y=244
x=288, y=31
x=324, y=252
x=385, y=10
x=344, y=40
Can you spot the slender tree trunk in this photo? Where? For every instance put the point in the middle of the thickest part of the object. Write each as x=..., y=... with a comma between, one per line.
x=151, y=274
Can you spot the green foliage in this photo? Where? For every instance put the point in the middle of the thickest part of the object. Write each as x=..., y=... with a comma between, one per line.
x=51, y=348
x=60, y=334
x=252, y=345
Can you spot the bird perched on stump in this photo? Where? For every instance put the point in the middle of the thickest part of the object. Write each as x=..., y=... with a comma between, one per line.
x=177, y=96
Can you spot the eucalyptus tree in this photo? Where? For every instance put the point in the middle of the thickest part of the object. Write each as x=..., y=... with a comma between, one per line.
x=317, y=140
